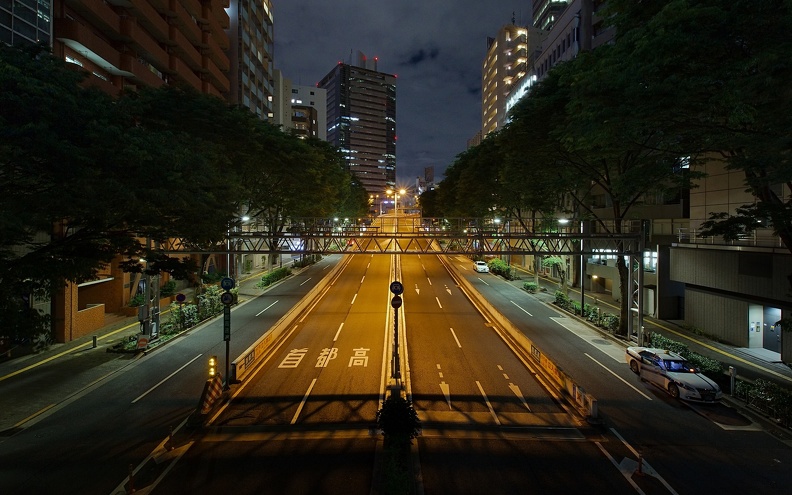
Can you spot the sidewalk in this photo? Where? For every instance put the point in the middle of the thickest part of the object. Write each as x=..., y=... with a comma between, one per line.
x=749, y=363
x=118, y=329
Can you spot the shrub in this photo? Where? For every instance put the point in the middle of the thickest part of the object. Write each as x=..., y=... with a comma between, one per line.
x=307, y=260
x=500, y=267
x=137, y=300
x=531, y=287
x=209, y=303
x=273, y=277
x=168, y=289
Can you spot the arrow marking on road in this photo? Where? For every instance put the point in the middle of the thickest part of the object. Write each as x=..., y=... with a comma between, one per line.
x=417, y=290
x=448, y=290
x=447, y=392
x=514, y=388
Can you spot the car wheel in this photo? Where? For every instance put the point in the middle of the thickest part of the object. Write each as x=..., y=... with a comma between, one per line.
x=673, y=390
x=634, y=367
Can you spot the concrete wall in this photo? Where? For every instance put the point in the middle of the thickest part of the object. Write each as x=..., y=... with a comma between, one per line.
x=757, y=275
x=725, y=318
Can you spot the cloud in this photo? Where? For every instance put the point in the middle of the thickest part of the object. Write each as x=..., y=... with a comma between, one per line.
x=435, y=48
x=421, y=55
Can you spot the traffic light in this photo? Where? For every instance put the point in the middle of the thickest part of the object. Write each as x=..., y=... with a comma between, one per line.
x=212, y=366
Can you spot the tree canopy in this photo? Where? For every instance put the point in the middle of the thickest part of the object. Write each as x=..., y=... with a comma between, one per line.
x=85, y=178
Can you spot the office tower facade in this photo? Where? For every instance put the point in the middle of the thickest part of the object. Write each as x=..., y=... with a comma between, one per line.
x=361, y=121
x=546, y=12
x=25, y=22
x=508, y=63
x=251, y=73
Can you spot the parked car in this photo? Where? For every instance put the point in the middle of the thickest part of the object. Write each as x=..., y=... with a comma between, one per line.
x=481, y=267
x=672, y=373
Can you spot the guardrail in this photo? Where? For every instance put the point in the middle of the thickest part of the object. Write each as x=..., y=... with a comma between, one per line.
x=247, y=361
x=584, y=402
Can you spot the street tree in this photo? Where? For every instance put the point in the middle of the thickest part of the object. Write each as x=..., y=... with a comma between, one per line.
x=84, y=179
x=729, y=66
x=609, y=155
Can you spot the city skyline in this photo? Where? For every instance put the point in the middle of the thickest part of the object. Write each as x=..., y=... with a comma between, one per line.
x=435, y=50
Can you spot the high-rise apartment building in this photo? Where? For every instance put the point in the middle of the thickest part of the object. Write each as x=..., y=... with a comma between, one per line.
x=251, y=50
x=508, y=62
x=361, y=121
x=300, y=109
x=139, y=43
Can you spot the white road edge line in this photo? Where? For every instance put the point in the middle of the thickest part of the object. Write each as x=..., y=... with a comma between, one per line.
x=268, y=307
x=302, y=403
x=166, y=378
x=617, y=376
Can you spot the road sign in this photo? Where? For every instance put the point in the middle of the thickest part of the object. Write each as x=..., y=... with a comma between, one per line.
x=227, y=323
x=227, y=283
x=396, y=302
x=396, y=287
x=226, y=298
x=180, y=297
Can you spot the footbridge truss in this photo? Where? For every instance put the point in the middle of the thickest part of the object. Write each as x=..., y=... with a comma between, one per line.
x=412, y=235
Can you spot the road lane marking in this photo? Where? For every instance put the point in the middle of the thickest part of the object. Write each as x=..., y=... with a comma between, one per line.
x=438, y=302
x=617, y=376
x=627, y=476
x=484, y=281
x=354, y=298
x=447, y=392
x=516, y=389
x=647, y=468
x=305, y=398
x=306, y=281
x=455, y=338
x=166, y=378
x=362, y=279
x=429, y=280
x=526, y=312
x=339, y=331
x=268, y=307
x=489, y=405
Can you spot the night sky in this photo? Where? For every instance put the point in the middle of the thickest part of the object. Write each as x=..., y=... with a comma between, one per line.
x=434, y=47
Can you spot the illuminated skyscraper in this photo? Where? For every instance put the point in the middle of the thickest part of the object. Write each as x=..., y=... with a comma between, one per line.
x=361, y=121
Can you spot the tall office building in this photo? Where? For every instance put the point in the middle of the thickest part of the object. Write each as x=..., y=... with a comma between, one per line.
x=25, y=21
x=546, y=12
x=251, y=72
x=508, y=63
x=361, y=121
